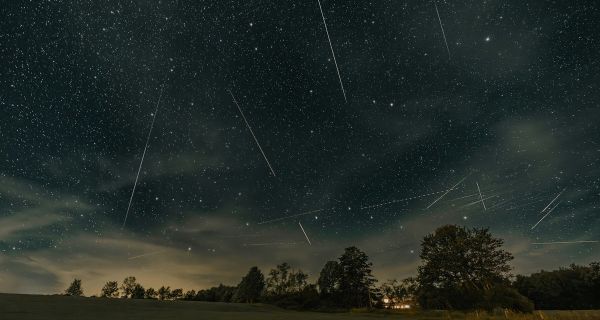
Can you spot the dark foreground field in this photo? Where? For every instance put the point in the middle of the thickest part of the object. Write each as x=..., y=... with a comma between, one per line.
x=29, y=307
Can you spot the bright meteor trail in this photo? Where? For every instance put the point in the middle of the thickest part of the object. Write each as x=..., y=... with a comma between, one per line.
x=566, y=242
x=549, y=211
x=307, y=239
x=143, y=155
x=252, y=132
x=438, y=199
x=332, y=52
x=292, y=216
x=442, y=27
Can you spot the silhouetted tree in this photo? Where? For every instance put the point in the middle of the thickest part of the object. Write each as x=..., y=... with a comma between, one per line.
x=177, y=294
x=461, y=269
x=356, y=280
x=329, y=278
x=128, y=286
x=190, y=295
x=217, y=294
x=150, y=293
x=282, y=280
x=138, y=292
x=110, y=290
x=575, y=287
x=251, y=286
x=164, y=293
x=74, y=289
x=277, y=282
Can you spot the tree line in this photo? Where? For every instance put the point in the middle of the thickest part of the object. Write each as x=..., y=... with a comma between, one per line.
x=461, y=269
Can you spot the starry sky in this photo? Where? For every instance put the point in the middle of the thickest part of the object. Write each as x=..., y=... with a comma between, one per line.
x=500, y=105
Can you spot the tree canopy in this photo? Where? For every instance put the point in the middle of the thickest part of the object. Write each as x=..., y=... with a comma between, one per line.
x=463, y=269
x=356, y=280
x=250, y=288
x=75, y=288
x=110, y=290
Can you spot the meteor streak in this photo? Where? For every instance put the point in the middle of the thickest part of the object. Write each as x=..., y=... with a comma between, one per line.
x=442, y=27
x=478, y=201
x=270, y=244
x=292, y=216
x=145, y=255
x=402, y=200
x=566, y=242
x=307, y=239
x=252, y=132
x=438, y=199
x=332, y=52
x=558, y=195
x=481, y=196
x=143, y=155
x=549, y=211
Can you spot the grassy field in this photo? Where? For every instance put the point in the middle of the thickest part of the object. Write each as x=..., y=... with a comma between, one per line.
x=33, y=307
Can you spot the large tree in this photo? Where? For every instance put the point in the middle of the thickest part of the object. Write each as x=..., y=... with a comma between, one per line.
x=164, y=293
x=283, y=280
x=177, y=294
x=329, y=278
x=575, y=287
x=461, y=267
x=251, y=286
x=75, y=288
x=356, y=280
x=110, y=290
x=150, y=293
x=128, y=286
x=138, y=292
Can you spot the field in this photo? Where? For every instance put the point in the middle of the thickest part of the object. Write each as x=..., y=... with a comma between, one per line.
x=34, y=307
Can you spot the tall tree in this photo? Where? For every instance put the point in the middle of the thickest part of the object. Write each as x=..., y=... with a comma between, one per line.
x=251, y=286
x=128, y=286
x=75, y=288
x=329, y=278
x=283, y=280
x=177, y=294
x=356, y=281
x=164, y=293
x=150, y=293
x=138, y=292
x=459, y=266
x=190, y=295
x=575, y=287
x=277, y=281
x=110, y=290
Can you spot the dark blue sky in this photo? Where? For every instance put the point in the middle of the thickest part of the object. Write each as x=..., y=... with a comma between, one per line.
x=513, y=108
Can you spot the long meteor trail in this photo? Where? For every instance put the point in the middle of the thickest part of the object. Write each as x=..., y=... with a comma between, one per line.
x=566, y=242
x=307, y=239
x=440, y=198
x=551, y=202
x=549, y=211
x=143, y=155
x=292, y=216
x=145, y=255
x=252, y=132
x=265, y=244
x=442, y=27
x=332, y=52
x=481, y=196
x=402, y=200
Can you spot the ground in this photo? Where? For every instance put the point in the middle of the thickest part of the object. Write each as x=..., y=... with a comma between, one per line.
x=34, y=307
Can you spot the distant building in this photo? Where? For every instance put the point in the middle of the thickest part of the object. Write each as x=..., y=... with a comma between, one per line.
x=402, y=304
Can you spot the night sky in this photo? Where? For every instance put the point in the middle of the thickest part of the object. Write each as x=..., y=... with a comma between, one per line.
x=509, y=106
